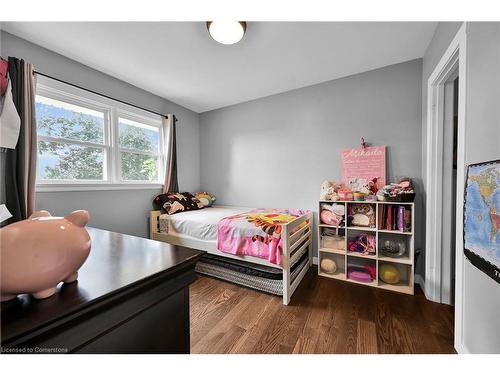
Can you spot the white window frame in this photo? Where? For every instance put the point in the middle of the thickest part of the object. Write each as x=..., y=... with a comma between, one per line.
x=112, y=110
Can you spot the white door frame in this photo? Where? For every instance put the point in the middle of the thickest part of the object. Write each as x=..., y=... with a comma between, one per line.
x=454, y=55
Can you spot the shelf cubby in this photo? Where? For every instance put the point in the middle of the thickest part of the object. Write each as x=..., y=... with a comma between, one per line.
x=405, y=285
x=361, y=262
x=394, y=240
x=339, y=260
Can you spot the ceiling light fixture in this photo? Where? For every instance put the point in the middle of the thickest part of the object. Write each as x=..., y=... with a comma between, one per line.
x=226, y=32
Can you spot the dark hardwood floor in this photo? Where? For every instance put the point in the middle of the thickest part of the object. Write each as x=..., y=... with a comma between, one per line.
x=325, y=316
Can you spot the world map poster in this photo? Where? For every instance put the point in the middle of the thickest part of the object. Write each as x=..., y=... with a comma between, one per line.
x=482, y=218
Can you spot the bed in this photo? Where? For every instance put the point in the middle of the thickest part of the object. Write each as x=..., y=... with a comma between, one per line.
x=199, y=229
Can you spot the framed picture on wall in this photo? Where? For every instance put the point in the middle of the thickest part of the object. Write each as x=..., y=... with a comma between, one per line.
x=482, y=217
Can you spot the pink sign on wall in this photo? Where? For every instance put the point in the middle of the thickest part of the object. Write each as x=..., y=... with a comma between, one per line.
x=367, y=163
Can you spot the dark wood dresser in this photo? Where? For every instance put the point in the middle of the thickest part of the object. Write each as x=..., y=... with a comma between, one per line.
x=132, y=296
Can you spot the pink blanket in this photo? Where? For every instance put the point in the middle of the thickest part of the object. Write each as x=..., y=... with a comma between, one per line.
x=256, y=233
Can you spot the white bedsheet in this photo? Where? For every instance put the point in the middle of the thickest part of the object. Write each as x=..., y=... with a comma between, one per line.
x=200, y=224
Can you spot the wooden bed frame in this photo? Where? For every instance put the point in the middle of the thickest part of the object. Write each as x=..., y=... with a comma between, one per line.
x=294, y=241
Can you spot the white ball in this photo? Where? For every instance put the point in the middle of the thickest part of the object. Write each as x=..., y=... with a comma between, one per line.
x=328, y=265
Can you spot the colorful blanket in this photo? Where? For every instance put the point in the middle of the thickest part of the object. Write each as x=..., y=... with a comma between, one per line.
x=256, y=233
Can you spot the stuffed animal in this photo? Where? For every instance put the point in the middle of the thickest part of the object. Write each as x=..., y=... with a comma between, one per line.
x=205, y=198
x=360, y=185
x=373, y=186
x=362, y=215
x=329, y=191
x=332, y=214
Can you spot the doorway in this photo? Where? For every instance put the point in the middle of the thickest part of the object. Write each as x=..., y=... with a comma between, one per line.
x=448, y=220
x=440, y=179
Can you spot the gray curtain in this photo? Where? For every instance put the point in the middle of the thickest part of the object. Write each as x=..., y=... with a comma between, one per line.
x=170, y=184
x=20, y=163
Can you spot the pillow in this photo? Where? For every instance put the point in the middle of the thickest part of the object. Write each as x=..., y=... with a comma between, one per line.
x=172, y=203
x=205, y=198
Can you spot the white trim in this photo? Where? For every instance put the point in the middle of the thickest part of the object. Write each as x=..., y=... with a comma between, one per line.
x=420, y=281
x=112, y=111
x=456, y=53
x=54, y=187
x=461, y=175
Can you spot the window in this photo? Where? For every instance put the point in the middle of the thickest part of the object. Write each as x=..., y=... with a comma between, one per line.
x=85, y=139
x=139, y=150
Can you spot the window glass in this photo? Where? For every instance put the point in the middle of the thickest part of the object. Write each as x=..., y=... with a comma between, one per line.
x=62, y=161
x=58, y=119
x=136, y=136
x=139, y=167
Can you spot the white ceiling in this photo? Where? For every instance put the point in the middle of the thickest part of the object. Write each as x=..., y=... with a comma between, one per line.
x=180, y=62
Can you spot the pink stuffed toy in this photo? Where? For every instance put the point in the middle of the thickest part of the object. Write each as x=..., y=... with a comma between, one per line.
x=329, y=218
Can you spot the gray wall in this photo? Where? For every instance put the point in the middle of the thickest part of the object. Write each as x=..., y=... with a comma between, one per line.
x=445, y=32
x=276, y=151
x=481, y=294
x=123, y=211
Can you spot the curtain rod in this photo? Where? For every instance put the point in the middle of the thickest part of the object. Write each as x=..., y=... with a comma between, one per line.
x=106, y=96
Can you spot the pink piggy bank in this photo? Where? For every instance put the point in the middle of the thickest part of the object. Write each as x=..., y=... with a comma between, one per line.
x=41, y=251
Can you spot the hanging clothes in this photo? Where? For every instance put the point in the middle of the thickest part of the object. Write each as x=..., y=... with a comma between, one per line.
x=10, y=123
x=4, y=68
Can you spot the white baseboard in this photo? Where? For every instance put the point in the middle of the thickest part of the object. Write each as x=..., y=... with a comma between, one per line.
x=420, y=281
x=461, y=348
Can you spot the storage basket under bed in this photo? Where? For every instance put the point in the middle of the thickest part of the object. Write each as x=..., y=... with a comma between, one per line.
x=255, y=276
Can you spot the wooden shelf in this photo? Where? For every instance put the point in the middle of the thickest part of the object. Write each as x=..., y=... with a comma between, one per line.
x=359, y=255
x=394, y=232
x=332, y=251
x=406, y=262
x=401, y=287
x=395, y=203
x=331, y=226
x=368, y=229
x=401, y=260
x=336, y=275
x=373, y=283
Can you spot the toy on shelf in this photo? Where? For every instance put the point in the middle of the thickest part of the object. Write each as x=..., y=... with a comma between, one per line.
x=332, y=240
x=359, y=196
x=345, y=194
x=329, y=191
x=332, y=214
x=363, y=244
x=361, y=215
x=328, y=265
x=364, y=274
x=401, y=191
x=393, y=248
x=389, y=274
x=359, y=185
x=372, y=195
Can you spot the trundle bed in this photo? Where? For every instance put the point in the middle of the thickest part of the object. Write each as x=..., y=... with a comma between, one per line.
x=199, y=230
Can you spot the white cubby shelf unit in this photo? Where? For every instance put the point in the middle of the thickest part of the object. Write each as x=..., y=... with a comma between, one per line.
x=343, y=257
